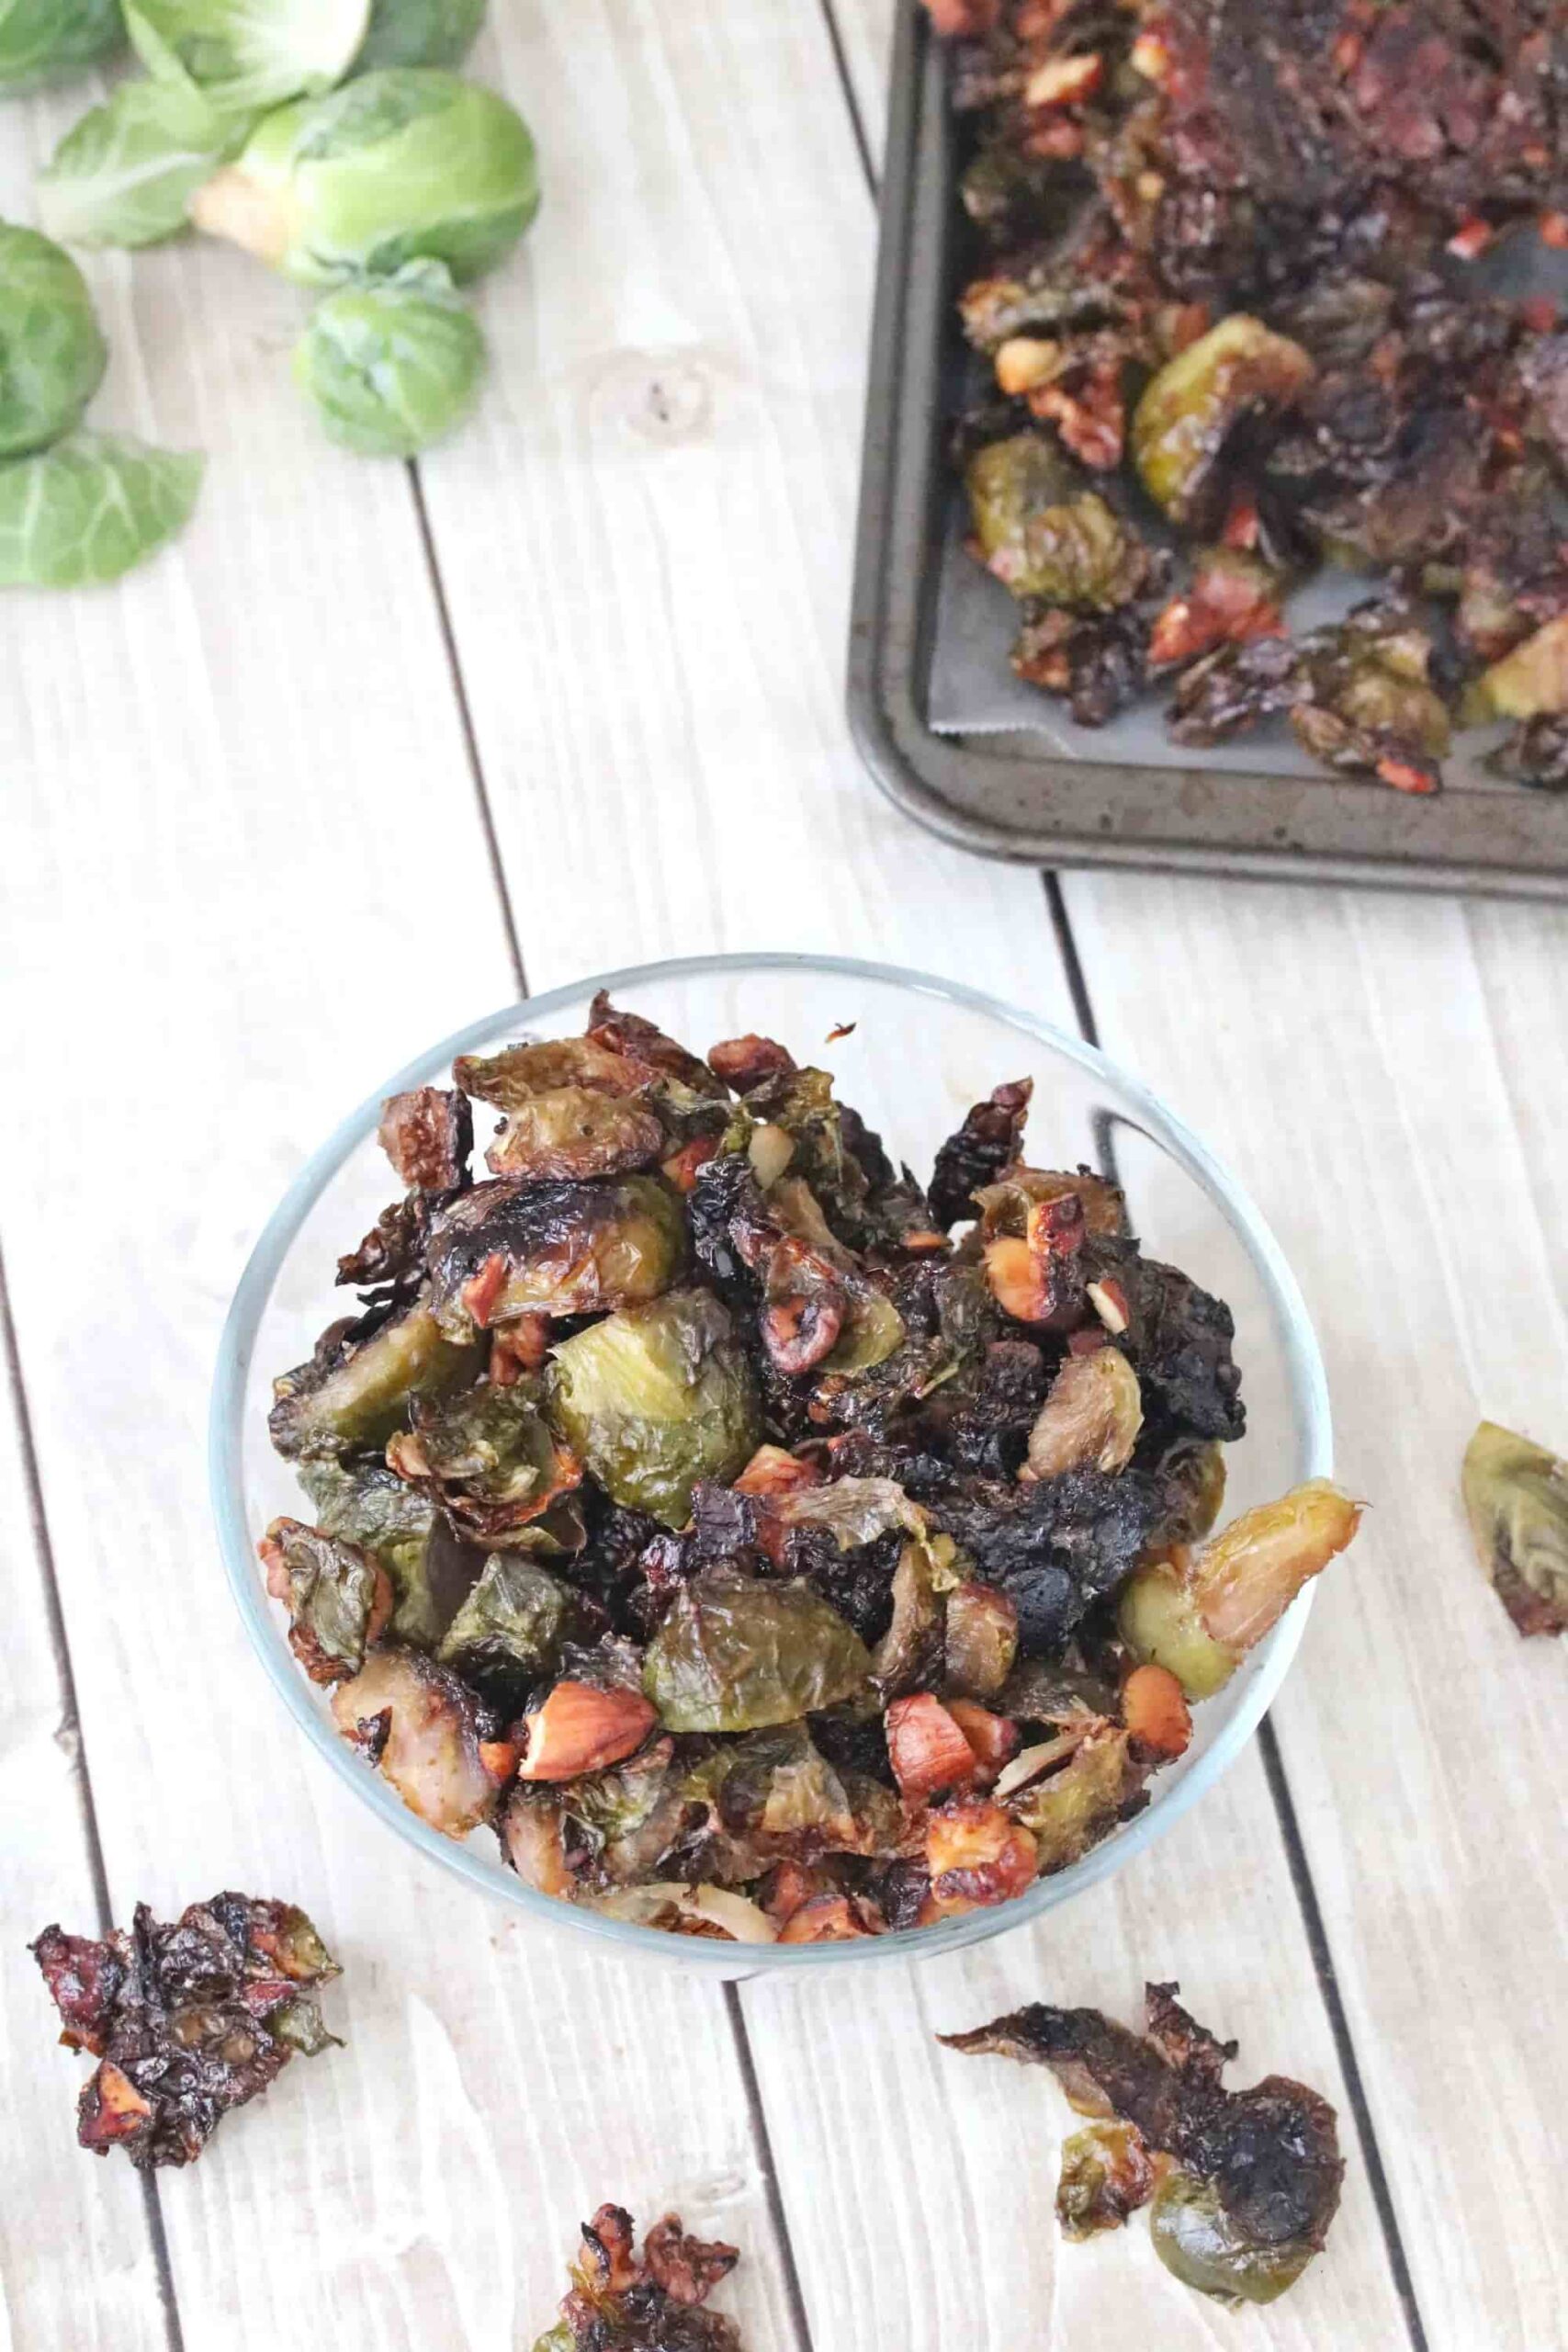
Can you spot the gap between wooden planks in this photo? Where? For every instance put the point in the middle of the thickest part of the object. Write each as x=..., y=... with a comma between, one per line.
x=650, y=634
x=1388, y=1078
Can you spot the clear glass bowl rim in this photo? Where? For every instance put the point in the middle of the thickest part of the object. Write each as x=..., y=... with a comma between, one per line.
x=225, y=1460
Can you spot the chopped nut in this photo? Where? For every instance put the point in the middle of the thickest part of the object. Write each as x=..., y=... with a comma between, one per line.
x=1025, y=361
x=1155, y=1713
x=927, y=1749
x=994, y=1738
x=582, y=1729
x=1063, y=81
x=1108, y=1301
x=832, y=1919
x=976, y=1855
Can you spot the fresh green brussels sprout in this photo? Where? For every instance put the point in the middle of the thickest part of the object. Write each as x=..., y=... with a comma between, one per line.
x=655, y=1398
x=735, y=1654
x=90, y=508
x=419, y=32
x=510, y=1632
x=1189, y=409
x=408, y=164
x=126, y=175
x=336, y=1404
x=1044, y=535
x=1516, y=1495
x=248, y=54
x=509, y=1248
x=431, y=1568
x=42, y=40
x=1205, y=2246
x=392, y=367
x=53, y=353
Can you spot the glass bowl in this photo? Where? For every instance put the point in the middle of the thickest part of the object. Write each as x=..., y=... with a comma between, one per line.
x=920, y=1052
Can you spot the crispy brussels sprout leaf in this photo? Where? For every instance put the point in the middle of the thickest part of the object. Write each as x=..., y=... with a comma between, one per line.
x=1530, y=681
x=391, y=367
x=126, y=175
x=431, y=1569
x=735, y=1654
x=655, y=1398
x=360, y=1400
x=53, y=353
x=42, y=40
x=419, y=32
x=1517, y=1497
x=1106, y=2174
x=248, y=54
x=89, y=509
x=507, y=1248
x=569, y=1131
x=511, y=1631
x=405, y=164
x=486, y=1453
x=1072, y=1809
x=338, y=1597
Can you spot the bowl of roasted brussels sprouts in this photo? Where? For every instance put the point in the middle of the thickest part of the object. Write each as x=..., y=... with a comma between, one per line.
x=835, y=1469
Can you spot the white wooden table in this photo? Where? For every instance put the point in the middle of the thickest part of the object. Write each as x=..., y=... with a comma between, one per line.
x=367, y=749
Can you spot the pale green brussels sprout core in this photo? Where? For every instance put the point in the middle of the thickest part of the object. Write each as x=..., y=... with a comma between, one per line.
x=246, y=54
x=391, y=367
x=409, y=164
x=40, y=40
x=53, y=353
x=419, y=32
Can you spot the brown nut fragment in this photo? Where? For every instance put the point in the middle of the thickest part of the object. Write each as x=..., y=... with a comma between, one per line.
x=1063, y=80
x=688, y=2269
x=1090, y=1419
x=832, y=1919
x=975, y=1855
x=428, y=1135
x=1033, y=1279
x=994, y=1738
x=110, y=2108
x=927, y=1747
x=743, y=1062
x=1155, y=1713
x=581, y=1728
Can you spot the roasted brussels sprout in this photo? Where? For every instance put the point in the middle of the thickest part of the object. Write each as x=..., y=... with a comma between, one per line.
x=339, y=1599
x=735, y=1654
x=41, y=41
x=488, y=1453
x=1090, y=1419
x=53, y=353
x=650, y=2303
x=654, y=1398
x=1106, y=2174
x=419, y=32
x=1193, y=405
x=248, y=54
x=511, y=1629
x=1529, y=683
x=393, y=367
x=407, y=164
x=420, y=1725
x=569, y=1131
x=508, y=1248
x=187, y=2019
x=1200, y=2244
x=359, y=1395
x=367, y=1505
x=1517, y=1497
x=1043, y=534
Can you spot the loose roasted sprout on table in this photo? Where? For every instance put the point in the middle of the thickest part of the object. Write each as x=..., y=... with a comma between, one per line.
x=761, y=1544
x=1221, y=288
x=623, y=2300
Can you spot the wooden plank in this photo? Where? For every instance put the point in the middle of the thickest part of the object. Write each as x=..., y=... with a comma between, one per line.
x=76, y=2264
x=246, y=875
x=687, y=389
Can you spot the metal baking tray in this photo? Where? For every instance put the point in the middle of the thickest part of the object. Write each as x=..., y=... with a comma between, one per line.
x=1005, y=792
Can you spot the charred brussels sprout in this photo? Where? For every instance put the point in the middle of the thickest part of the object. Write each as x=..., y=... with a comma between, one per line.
x=486, y=1453
x=358, y=1400
x=511, y=1631
x=509, y=1249
x=1203, y=2245
x=392, y=367
x=338, y=1597
x=53, y=353
x=408, y=164
x=1517, y=1497
x=1190, y=410
x=570, y=1132
x=421, y=1726
x=735, y=1654
x=654, y=1398
x=1042, y=534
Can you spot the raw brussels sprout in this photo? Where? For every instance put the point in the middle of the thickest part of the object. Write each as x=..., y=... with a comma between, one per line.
x=409, y=164
x=248, y=54
x=363, y=1399
x=1189, y=411
x=505, y=1249
x=391, y=367
x=654, y=1398
x=53, y=353
x=1516, y=1495
x=1042, y=534
x=510, y=1632
x=125, y=176
x=89, y=509
x=40, y=40
x=735, y=1654
x=1205, y=2246
x=419, y=32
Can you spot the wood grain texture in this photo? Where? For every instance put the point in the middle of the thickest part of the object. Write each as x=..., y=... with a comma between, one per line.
x=246, y=875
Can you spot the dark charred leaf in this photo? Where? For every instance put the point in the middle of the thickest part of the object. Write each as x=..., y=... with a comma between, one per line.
x=512, y=1630
x=1054, y=1548
x=507, y=1248
x=621, y=2301
x=990, y=1138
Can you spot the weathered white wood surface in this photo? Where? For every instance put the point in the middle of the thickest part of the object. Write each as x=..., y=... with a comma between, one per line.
x=246, y=873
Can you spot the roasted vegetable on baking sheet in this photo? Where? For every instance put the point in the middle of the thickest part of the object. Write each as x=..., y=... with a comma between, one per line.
x=1244, y=2184
x=622, y=2300
x=1219, y=253
x=761, y=1543
x=186, y=2020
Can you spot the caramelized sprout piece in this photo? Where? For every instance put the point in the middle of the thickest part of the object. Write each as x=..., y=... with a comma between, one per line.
x=1517, y=1497
x=338, y=1598
x=1070, y=1809
x=430, y=1569
x=621, y=2301
x=735, y=1654
x=339, y=1403
x=570, y=1132
x=656, y=1397
x=1189, y=409
x=508, y=1248
x=1529, y=683
x=1042, y=534
x=1199, y=1614
x=1203, y=2245
x=1106, y=2174
x=421, y=1725
x=980, y=1639
x=511, y=1631
x=1090, y=1419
